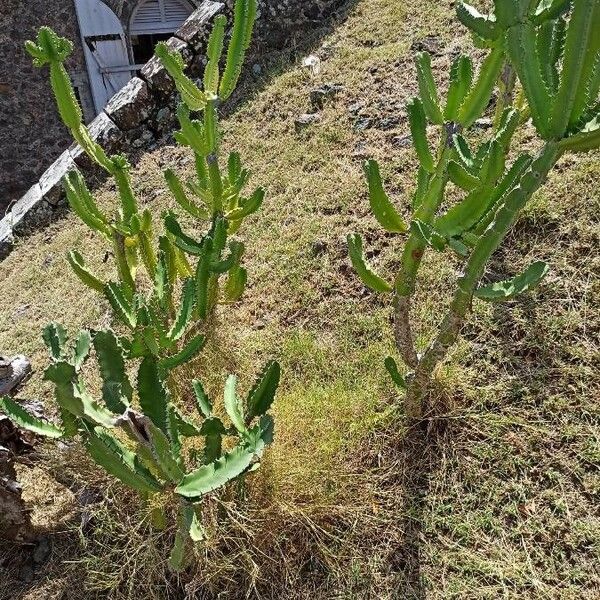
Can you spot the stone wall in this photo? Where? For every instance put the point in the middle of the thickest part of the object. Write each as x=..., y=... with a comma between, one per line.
x=32, y=134
x=144, y=109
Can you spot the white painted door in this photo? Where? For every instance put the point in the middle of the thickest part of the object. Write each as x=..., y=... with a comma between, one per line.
x=105, y=49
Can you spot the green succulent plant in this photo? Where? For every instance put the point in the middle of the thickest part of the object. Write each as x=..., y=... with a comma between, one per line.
x=136, y=431
x=553, y=48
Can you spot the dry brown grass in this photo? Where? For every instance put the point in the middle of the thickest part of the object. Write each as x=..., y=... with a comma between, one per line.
x=497, y=499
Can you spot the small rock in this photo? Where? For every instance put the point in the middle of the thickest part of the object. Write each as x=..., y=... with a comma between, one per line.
x=6, y=368
x=21, y=368
x=313, y=64
x=318, y=248
x=360, y=150
x=42, y=550
x=388, y=123
x=430, y=43
x=303, y=121
x=354, y=109
x=320, y=95
x=484, y=123
x=402, y=141
x=163, y=115
x=259, y=324
x=256, y=69
x=363, y=123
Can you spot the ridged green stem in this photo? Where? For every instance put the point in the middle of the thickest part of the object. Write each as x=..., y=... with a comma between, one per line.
x=120, y=257
x=413, y=253
x=126, y=193
x=461, y=303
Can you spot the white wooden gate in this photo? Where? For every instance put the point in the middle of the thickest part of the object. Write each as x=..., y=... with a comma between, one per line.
x=105, y=49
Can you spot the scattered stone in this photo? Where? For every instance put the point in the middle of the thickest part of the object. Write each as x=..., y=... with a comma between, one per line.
x=360, y=150
x=195, y=31
x=320, y=95
x=259, y=324
x=313, y=64
x=356, y=108
x=387, y=123
x=484, y=123
x=6, y=368
x=42, y=550
x=402, y=141
x=104, y=132
x=14, y=517
x=256, y=69
x=318, y=248
x=363, y=123
x=155, y=74
x=303, y=121
x=429, y=43
x=163, y=115
x=21, y=368
x=51, y=180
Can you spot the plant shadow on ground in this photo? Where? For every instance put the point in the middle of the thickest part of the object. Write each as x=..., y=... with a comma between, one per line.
x=419, y=454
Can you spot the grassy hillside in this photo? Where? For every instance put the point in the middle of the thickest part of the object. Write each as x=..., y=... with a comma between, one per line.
x=499, y=501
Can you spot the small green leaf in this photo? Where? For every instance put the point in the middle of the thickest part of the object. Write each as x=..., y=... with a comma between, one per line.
x=428, y=90
x=461, y=177
x=187, y=353
x=182, y=198
x=203, y=402
x=116, y=388
x=505, y=290
x=117, y=297
x=481, y=25
x=213, y=476
x=461, y=77
x=428, y=235
x=263, y=392
x=235, y=284
x=183, y=241
x=119, y=461
x=26, y=420
x=418, y=130
x=87, y=277
x=195, y=529
x=188, y=297
x=248, y=207
x=153, y=396
x=233, y=405
x=392, y=369
x=363, y=270
x=82, y=348
x=55, y=337
x=178, y=556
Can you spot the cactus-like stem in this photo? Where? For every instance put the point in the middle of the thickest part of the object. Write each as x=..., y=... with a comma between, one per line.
x=506, y=84
x=121, y=258
x=413, y=253
x=403, y=335
x=461, y=303
x=425, y=212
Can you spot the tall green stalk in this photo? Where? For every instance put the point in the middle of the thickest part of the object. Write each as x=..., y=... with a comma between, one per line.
x=137, y=430
x=553, y=49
